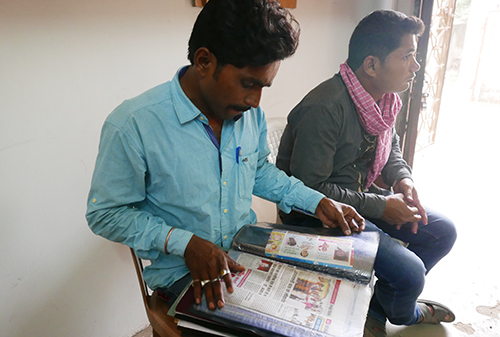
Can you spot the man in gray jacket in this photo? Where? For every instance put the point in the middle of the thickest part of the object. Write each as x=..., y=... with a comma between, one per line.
x=340, y=138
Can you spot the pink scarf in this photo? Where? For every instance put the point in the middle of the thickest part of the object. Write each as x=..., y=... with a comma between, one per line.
x=378, y=120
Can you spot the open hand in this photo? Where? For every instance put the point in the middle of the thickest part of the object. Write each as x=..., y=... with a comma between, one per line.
x=337, y=214
x=209, y=265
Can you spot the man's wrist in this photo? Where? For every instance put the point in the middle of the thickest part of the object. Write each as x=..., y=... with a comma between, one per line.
x=166, y=240
x=177, y=241
x=396, y=183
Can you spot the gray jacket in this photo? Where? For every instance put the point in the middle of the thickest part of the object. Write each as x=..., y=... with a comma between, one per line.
x=325, y=146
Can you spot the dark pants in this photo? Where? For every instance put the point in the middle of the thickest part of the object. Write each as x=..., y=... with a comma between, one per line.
x=171, y=293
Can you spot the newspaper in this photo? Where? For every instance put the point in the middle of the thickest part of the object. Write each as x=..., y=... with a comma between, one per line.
x=334, y=252
x=319, y=249
x=309, y=299
x=298, y=282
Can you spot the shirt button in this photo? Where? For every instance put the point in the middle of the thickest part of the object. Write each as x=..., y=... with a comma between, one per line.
x=225, y=211
x=354, y=165
x=224, y=183
x=225, y=238
x=201, y=117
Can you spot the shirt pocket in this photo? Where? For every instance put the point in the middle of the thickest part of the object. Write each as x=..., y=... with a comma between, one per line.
x=247, y=167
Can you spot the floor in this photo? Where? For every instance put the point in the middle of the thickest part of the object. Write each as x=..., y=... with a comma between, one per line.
x=148, y=332
x=456, y=176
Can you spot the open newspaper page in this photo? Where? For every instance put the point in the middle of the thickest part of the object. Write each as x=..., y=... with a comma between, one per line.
x=291, y=301
x=333, y=252
x=325, y=250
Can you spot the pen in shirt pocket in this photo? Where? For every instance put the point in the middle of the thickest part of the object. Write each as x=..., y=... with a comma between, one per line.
x=238, y=154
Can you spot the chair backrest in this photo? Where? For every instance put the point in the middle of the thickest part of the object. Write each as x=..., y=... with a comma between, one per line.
x=275, y=128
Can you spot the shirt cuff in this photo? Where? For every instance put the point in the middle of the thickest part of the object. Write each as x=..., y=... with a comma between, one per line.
x=380, y=203
x=302, y=198
x=314, y=202
x=178, y=241
x=308, y=200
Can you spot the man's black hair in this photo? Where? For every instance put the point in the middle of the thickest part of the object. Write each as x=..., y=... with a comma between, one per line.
x=379, y=34
x=245, y=32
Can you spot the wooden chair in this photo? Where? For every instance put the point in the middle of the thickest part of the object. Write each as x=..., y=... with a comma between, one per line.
x=156, y=309
x=275, y=128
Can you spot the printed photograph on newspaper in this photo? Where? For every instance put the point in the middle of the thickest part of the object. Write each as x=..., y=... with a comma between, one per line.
x=336, y=252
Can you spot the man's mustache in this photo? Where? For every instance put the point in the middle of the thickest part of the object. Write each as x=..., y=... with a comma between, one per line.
x=239, y=107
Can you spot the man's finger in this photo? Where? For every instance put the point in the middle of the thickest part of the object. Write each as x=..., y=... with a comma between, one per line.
x=360, y=221
x=217, y=289
x=415, y=211
x=209, y=293
x=425, y=219
x=357, y=226
x=353, y=225
x=414, y=227
x=422, y=212
x=342, y=222
x=344, y=226
x=408, y=195
x=196, y=283
x=228, y=280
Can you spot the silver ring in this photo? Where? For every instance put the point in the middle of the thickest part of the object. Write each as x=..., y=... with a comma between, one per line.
x=193, y=281
x=215, y=280
x=204, y=282
x=224, y=273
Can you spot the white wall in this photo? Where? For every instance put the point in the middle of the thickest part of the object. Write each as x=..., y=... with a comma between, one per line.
x=64, y=65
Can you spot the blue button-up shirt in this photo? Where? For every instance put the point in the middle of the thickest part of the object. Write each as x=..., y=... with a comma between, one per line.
x=158, y=167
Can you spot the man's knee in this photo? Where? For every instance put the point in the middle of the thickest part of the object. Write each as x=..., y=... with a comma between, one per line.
x=448, y=235
x=411, y=277
x=400, y=267
x=451, y=234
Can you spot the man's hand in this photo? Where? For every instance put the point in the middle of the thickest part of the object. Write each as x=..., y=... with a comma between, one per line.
x=398, y=212
x=406, y=187
x=403, y=208
x=336, y=214
x=207, y=262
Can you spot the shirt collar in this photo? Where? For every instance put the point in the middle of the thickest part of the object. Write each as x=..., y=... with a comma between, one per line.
x=185, y=109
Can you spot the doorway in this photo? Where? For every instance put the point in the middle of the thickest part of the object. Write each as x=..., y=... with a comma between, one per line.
x=470, y=102
x=458, y=174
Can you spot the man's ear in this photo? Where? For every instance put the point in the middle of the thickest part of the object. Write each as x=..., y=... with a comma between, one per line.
x=370, y=65
x=204, y=61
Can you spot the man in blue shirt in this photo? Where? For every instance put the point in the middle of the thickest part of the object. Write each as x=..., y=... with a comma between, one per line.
x=178, y=164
